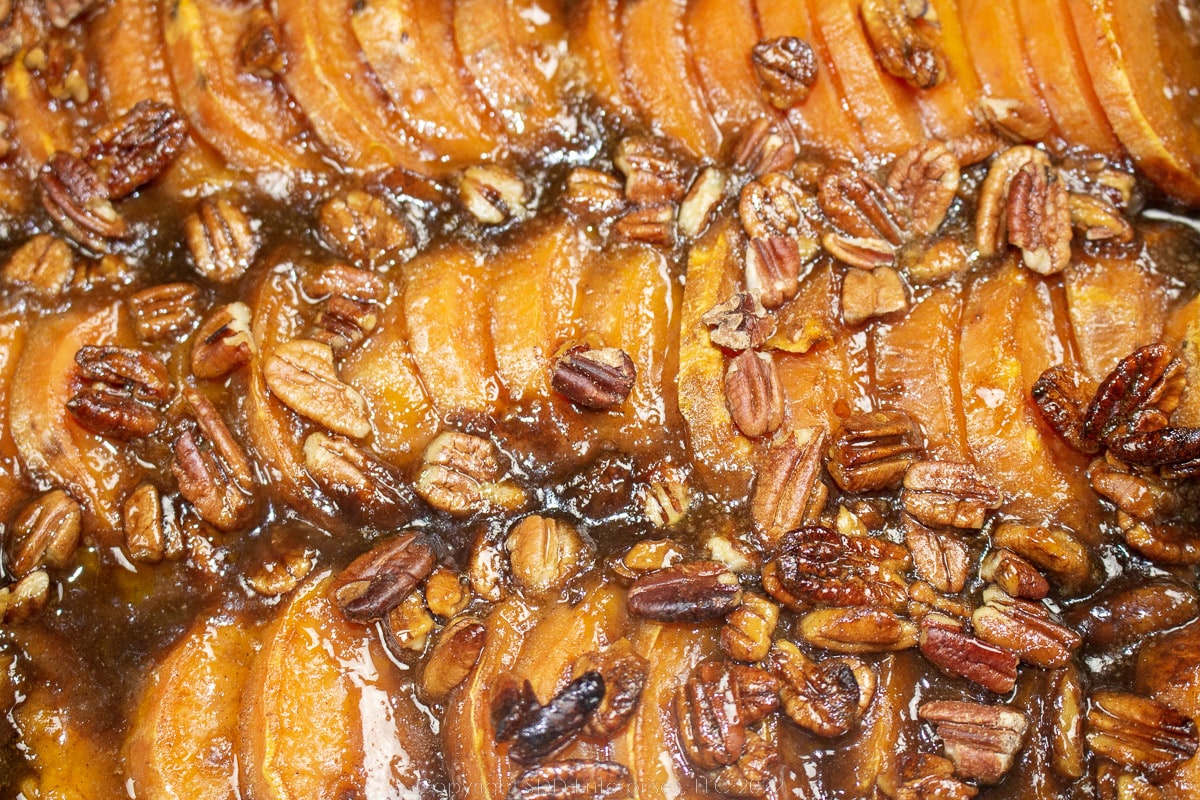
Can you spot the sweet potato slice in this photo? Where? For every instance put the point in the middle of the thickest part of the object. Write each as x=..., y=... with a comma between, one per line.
x=410, y=47
x=661, y=76
x=324, y=712
x=12, y=342
x=40, y=124
x=248, y=120
x=1062, y=76
x=1144, y=65
x=593, y=38
x=1183, y=332
x=188, y=711
x=820, y=120
x=721, y=35
x=948, y=109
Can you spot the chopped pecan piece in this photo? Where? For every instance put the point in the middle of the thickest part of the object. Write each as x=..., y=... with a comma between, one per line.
x=788, y=490
x=1097, y=219
x=739, y=323
x=281, y=572
x=786, y=68
x=748, y=630
x=948, y=494
x=357, y=479
x=1140, y=733
x=645, y=556
x=693, y=592
x=596, y=378
x=462, y=474
x=858, y=630
x=926, y=178
x=665, y=501
x=753, y=393
x=867, y=294
x=24, y=599
x=446, y=592
x=592, y=193
x=137, y=147
x=714, y=706
x=940, y=557
x=1026, y=628
x=901, y=47
x=773, y=269
x=1014, y=575
x=492, y=193
x=828, y=697
x=407, y=627
x=981, y=740
x=573, y=779
x=363, y=228
x=165, y=311
x=378, y=580
x=120, y=391
x=859, y=206
x=653, y=224
x=301, y=374
x=765, y=147
x=976, y=147
x=946, y=643
x=260, y=50
x=548, y=729
x=45, y=534
x=211, y=468
x=825, y=567
x=222, y=241
x=654, y=174
x=1138, y=396
x=697, y=205
x=452, y=658
x=63, y=12
x=45, y=264
x=871, y=451
x=223, y=343
x=75, y=197
x=624, y=673
x=925, y=777
x=546, y=554
x=147, y=534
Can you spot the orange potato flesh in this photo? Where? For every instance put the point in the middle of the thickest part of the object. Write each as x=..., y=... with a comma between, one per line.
x=948, y=109
x=189, y=711
x=821, y=120
x=40, y=125
x=513, y=50
x=721, y=35
x=1062, y=78
x=593, y=38
x=410, y=47
x=661, y=78
x=916, y=371
x=1183, y=332
x=12, y=342
x=889, y=119
x=247, y=120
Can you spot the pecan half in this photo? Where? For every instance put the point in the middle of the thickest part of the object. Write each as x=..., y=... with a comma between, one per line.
x=363, y=228
x=701, y=199
x=359, y=481
x=1069, y=756
x=1026, y=628
x=120, y=391
x=775, y=205
x=546, y=554
x=1039, y=219
x=739, y=323
x=45, y=264
x=1129, y=615
x=165, y=311
x=45, y=534
x=1013, y=574
x=549, y=729
x=765, y=147
x=1143, y=497
x=653, y=225
x=596, y=378
x=1175, y=451
x=378, y=580
x=749, y=629
x=1140, y=733
x=940, y=557
x=592, y=193
x=786, y=68
x=692, y=592
x=1168, y=542
x=871, y=451
x=492, y=193
x=573, y=779
x=981, y=740
x=76, y=198
x=714, y=706
x=858, y=630
x=926, y=178
x=137, y=147
x=901, y=47
x=222, y=241
x=654, y=173
x=788, y=490
x=223, y=343
x=624, y=673
x=301, y=374
x=462, y=474
x=948, y=494
x=827, y=698
x=866, y=254
x=211, y=469
x=1138, y=396
x=754, y=775
x=870, y=294
x=1062, y=402
x=149, y=535
x=452, y=658
x=991, y=213
x=859, y=206
x=773, y=269
x=1097, y=219
x=944, y=641
x=1053, y=550
x=24, y=599
x=753, y=393
x=825, y=567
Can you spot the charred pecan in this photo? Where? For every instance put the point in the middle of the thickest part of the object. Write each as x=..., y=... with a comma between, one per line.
x=453, y=657
x=462, y=474
x=859, y=206
x=573, y=779
x=866, y=254
x=765, y=147
x=513, y=705
x=378, y=580
x=222, y=241
x=946, y=644
x=786, y=68
x=358, y=480
x=596, y=378
x=981, y=740
x=1053, y=550
x=949, y=494
x=748, y=630
x=1026, y=628
x=653, y=224
x=871, y=452
x=1062, y=402
x=120, y=391
x=753, y=393
x=1039, y=219
x=301, y=374
x=858, y=630
x=137, y=147
x=697, y=205
x=45, y=264
x=773, y=269
x=211, y=468
x=223, y=343
x=1013, y=574
x=901, y=47
x=363, y=228
x=939, y=556
x=550, y=728
x=825, y=567
x=590, y=192
x=545, y=553
x=827, y=698
x=1175, y=451
x=165, y=311
x=925, y=178
x=654, y=174
x=492, y=193
x=691, y=592
x=925, y=777
x=76, y=198
x=1128, y=615
x=260, y=50
x=45, y=534
x=1097, y=219
x=740, y=323
x=1140, y=733
x=1138, y=396
x=624, y=673
x=25, y=598
x=755, y=773
x=714, y=706
x=789, y=490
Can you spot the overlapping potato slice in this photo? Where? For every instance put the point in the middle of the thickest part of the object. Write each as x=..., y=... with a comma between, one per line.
x=889, y=119
x=1009, y=337
x=721, y=35
x=185, y=729
x=40, y=125
x=247, y=119
x=661, y=77
x=1183, y=332
x=535, y=283
x=12, y=342
x=446, y=296
x=948, y=109
x=333, y=87
x=1116, y=306
x=916, y=371
x=721, y=455
x=53, y=447
x=593, y=38
x=325, y=714
x=513, y=50
x=410, y=47
x=1144, y=65
x=1054, y=54
x=821, y=120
